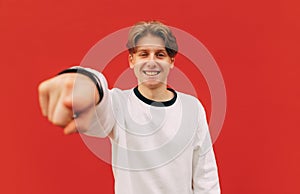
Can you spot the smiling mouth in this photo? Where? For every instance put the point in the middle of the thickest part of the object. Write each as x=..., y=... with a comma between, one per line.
x=151, y=73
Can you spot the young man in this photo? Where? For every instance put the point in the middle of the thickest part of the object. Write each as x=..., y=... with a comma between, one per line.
x=160, y=137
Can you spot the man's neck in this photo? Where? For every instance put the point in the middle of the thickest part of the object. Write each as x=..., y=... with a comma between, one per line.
x=158, y=94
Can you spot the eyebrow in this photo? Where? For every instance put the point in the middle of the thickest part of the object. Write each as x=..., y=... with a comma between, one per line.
x=147, y=49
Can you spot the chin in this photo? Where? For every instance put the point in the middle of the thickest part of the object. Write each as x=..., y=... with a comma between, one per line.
x=153, y=84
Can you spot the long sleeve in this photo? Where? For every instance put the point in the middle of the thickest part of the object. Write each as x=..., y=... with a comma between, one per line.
x=103, y=119
x=205, y=172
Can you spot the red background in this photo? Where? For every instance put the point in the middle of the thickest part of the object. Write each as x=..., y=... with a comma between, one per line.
x=254, y=42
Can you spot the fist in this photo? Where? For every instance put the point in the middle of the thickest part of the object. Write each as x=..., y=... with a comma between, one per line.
x=66, y=95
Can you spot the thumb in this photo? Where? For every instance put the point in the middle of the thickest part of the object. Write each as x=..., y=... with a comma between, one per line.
x=80, y=124
x=70, y=128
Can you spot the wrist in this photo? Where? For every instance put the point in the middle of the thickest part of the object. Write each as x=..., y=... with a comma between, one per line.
x=92, y=77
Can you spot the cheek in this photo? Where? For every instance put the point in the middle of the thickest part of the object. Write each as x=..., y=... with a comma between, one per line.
x=136, y=70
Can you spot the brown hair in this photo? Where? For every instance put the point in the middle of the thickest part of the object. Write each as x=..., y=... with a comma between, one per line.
x=154, y=28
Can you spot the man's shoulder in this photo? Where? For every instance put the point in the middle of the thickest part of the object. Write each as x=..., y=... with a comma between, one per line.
x=117, y=93
x=121, y=91
x=187, y=97
x=190, y=100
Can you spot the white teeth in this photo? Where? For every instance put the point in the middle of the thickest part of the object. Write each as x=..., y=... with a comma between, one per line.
x=151, y=73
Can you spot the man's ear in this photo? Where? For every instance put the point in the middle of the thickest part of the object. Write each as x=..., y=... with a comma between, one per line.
x=172, y=62
x=130, y=61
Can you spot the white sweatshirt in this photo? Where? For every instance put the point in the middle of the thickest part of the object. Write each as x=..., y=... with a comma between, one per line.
x=157, y=148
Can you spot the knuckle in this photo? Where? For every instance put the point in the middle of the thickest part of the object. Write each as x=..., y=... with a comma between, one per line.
x=42, y=88
x=68, y=83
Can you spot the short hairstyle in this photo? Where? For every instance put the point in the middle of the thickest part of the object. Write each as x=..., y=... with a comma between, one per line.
x=154, y=28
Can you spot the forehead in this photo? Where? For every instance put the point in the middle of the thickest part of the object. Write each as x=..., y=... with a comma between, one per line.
x=150, y=41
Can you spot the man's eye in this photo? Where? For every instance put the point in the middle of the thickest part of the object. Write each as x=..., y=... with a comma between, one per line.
x=161, y=54
x=143, y=54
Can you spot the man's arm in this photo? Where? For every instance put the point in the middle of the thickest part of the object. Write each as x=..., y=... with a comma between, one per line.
x=205, y=171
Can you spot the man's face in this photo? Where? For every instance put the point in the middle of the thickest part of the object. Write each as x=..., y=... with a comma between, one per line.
x=151, y=62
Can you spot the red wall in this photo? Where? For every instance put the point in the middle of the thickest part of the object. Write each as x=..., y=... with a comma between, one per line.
x=254, y=42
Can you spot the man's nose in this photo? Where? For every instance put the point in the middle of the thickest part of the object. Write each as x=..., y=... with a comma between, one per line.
x=152, y=56
x=151, y=64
